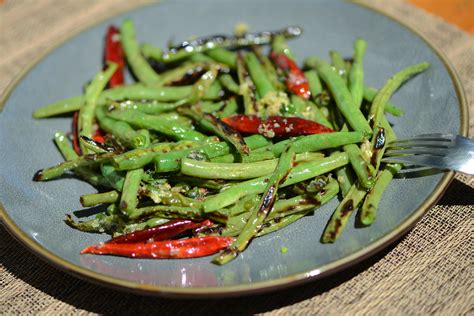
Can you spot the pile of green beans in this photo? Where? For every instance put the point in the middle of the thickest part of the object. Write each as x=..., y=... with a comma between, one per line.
x=167, y=155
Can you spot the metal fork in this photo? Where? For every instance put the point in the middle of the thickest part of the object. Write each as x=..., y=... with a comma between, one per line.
x=442, y=151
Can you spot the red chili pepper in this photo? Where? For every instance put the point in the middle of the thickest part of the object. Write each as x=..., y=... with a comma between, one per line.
x=275, y=125
x=99, y=135
x=169, y=249
x=161, y=232
x=114, y=53
x=296, y=81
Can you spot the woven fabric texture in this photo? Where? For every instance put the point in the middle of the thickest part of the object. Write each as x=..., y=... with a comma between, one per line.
x=428, y=271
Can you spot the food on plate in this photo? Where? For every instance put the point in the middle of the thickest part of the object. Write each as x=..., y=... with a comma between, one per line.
x=218, y=142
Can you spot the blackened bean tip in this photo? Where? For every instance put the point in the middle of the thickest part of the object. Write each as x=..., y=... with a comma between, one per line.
x=38, y=175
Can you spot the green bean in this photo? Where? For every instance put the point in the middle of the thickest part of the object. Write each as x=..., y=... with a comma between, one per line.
x=247, y=87
x=338, y=64
x=151, y=52
x=86, y=113
x=258, y=75
x=169, y=127
x=152, y=222
x=214, y=125
x=202, y=183
x=244, y=205
x=356, y=75
x=299, y=106
x=129, y=199
x=229, y=84
x=230, y=108
x=210, y=107
x=369, y=95
x=314, y=83
x=200, y=57
x=308, y=110
x=378, y=106
x=236, y=157
x=169, y=162
x=94, y=147
x=163, y=94
x=348, y=65
x=345, y=178
x=369, y=208
x=316, y=114
x=258, y=215
x=167, y=211
x=131, y=185
x=365, y=171
x=131, y=92
x=161, y=194
x=100, y=224
x=317, y=142
x=269, y=69
x=342, y=213
x=223, y=56
x=202, y=85
x=233, y=171
x=154, y=107
x=341, y=95
x=60, y=169
x=88, y=200
x=299, y=173
x=59, y=107
x=64, y=146
x=140, y=67
x=303, y=201
x=308, y=156
x=384, y=94
x=140, y=157
x=389, y=133
x=114, y=178
x=280, y=46
x=69, y=154
x=177, y=74
x=121, y=130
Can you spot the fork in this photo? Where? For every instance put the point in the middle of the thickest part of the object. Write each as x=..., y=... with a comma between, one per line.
x=442, y=151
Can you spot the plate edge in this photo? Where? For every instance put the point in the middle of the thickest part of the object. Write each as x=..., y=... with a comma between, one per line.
x=263, y=286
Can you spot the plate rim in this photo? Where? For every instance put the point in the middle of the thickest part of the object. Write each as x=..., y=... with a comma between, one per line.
x=242, y=289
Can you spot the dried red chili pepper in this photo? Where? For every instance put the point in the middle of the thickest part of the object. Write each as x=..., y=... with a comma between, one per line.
x=295, y=81
x=161, y=232
x=99, y=136
x=169, y=249
x=275, y=125
x=114, y=53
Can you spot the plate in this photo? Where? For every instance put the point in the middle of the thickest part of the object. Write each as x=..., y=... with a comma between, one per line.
x=34, y=212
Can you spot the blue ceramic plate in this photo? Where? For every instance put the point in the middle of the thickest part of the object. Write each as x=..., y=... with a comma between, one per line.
x=34, y=212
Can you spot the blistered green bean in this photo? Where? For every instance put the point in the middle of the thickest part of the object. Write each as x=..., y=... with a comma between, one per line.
x=135, y=59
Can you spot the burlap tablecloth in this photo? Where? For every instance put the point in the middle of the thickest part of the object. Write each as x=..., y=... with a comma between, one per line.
x=428, y=271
